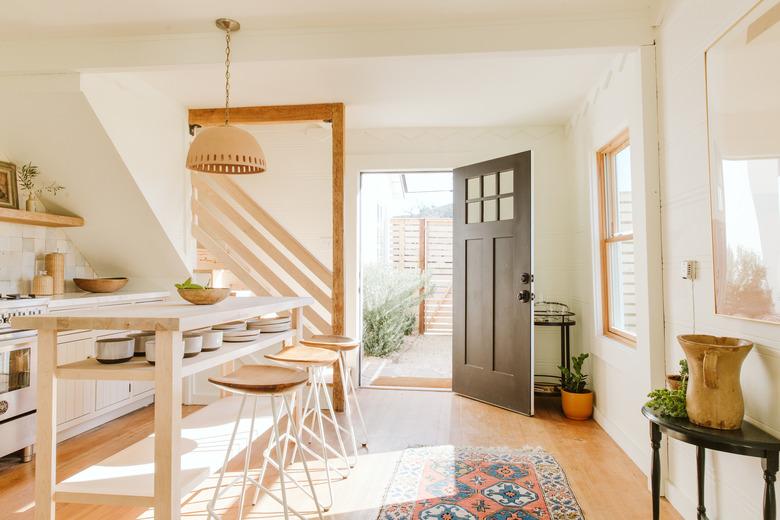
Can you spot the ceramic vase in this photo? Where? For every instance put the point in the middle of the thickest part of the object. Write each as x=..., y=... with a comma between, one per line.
x=714, y=395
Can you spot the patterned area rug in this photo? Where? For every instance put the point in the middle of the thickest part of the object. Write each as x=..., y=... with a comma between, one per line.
x=460, y=483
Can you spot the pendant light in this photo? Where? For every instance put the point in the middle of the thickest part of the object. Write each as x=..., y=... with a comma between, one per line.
x=226, y=149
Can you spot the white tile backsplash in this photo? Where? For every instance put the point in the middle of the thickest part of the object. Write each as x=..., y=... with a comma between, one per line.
x=22, y=249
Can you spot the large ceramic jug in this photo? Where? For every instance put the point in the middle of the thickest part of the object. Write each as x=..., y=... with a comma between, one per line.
x=714, y=396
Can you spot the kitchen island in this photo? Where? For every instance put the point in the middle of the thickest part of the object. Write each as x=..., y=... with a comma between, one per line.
x=133, y=476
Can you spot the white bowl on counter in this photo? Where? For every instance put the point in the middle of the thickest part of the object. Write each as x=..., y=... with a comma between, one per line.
x=193, y=344
x=114, y=350
x=212, y=339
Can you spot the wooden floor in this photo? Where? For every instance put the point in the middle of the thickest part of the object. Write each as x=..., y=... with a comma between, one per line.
x=607, y=484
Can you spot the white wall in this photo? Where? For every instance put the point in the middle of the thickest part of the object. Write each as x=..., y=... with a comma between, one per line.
x=733, y=484
x=447, y=148
x=149, y=132
x=622, y=375
x=52, y=124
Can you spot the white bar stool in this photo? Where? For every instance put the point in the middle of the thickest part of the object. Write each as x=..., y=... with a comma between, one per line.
x=316, y=360
x=342, y=345
x=276, y=383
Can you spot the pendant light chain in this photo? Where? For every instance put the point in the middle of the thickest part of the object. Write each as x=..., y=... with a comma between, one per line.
x=227, y=76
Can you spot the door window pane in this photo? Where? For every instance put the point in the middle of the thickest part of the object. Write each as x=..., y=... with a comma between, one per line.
x=622, y=285
x=473, y=188
x=506, y=182
x=473, y=212
x=506, y=208
x=489, y=185
x=491, y=211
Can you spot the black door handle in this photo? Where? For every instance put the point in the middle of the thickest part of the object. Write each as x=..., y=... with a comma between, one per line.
x=525, y=296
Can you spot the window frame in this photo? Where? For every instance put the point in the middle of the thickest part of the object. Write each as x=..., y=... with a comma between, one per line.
x=608, y=232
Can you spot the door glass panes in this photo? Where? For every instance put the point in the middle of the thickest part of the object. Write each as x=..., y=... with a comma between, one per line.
x=489, y=185
x=506, y=208
x=473, y=188
x=491, y=210
x=489, y=198
x=622, y=285
x=506, y=182
x=473, y=212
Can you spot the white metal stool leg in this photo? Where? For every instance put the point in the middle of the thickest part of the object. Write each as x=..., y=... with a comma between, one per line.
x=211, y=504
x=350, y=391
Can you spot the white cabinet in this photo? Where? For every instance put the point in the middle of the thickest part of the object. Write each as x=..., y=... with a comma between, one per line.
x=75, y=398
x=110, y=393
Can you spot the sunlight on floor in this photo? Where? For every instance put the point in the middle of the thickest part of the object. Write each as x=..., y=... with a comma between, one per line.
x=359, y=497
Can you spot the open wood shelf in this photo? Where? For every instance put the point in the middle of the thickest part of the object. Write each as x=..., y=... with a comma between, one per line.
x=33, y=218
x=127, y=477
x=137, y=369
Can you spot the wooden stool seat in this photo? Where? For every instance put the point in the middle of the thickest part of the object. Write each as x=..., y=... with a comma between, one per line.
x=261, y=379
x=307, y=356
x=330, y=342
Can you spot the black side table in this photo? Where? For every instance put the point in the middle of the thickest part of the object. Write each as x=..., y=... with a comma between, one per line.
x=749, y=440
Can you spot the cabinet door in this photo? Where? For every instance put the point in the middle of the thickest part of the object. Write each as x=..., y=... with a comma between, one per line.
x=140, y=387
x=74, y=398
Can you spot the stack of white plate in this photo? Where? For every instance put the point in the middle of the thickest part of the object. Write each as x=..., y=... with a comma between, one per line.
x=238, y=335
x=233, y=325
x=271, y=324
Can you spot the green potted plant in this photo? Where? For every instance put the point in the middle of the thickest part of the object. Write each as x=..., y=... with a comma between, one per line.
x=576, y=399
x=670, y=402
x=27, y=176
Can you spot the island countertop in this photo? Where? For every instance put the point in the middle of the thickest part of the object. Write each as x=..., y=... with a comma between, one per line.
x=173, y=315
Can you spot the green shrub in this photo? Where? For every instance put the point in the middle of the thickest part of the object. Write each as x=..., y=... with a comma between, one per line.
x=390, y=301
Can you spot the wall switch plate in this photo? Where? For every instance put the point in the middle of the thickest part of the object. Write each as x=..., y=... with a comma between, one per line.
x=688, y=269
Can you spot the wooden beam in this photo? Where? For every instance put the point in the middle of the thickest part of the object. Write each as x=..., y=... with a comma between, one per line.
x=337, y=290
x=264, y=115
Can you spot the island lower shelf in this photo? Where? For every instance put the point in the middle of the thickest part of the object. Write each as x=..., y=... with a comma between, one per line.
x=127, y=477
x=138, y=369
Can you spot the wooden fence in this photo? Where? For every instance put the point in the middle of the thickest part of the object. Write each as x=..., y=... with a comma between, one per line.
x=425, y=244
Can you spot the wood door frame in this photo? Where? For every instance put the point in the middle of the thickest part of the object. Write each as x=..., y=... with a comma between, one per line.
x=280, y=114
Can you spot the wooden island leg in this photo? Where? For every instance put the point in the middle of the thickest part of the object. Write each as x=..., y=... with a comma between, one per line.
x=655, y=441
x=769, y=464
x=167, y=425
x=46, y=426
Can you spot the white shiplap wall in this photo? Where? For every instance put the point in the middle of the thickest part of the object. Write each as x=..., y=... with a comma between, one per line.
x=734, y=484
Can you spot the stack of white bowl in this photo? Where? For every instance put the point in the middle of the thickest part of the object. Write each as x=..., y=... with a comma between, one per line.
x=270, y=323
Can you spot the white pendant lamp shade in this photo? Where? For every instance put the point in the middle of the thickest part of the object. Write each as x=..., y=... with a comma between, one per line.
x=225, y=149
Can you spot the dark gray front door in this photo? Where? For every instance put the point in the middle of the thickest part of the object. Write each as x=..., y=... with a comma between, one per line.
x=493, y=306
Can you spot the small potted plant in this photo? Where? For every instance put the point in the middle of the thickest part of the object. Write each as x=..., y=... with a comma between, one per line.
x=576, y=400
x=670, y=402
x=27, y=175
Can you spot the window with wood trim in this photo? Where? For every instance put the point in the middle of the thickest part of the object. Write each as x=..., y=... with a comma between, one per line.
x=618, y=263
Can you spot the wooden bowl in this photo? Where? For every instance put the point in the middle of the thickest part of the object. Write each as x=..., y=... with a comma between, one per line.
x=204, y=296
x=100, y=285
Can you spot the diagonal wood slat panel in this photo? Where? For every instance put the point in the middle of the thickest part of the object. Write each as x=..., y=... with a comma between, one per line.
x=209, y=198
x=275, y=229
x=211, y=225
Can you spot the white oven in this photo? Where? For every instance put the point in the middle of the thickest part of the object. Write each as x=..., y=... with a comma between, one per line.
x=18, y=355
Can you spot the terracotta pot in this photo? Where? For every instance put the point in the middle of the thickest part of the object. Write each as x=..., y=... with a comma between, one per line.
x=578, y=407
x=673, y=381
x=714, y=396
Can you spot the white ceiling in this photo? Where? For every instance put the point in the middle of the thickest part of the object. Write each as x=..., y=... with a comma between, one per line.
x=497, y=89
x=32, y=18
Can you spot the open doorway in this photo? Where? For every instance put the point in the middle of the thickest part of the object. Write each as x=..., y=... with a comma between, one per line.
x=406, y=279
